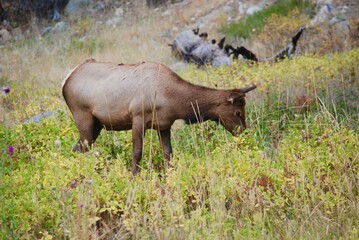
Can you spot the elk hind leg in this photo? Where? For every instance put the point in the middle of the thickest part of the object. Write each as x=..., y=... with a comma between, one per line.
x=88, y=129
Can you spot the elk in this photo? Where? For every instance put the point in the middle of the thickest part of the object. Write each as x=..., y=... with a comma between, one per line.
x=142, y=96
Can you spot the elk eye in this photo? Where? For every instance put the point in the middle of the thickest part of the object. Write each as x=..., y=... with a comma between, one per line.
x=238, y=113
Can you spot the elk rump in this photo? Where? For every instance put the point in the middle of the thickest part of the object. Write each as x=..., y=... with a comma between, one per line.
x=144, y=96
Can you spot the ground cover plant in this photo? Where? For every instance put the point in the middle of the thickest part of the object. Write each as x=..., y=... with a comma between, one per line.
x=253, y=24
x=292, y=175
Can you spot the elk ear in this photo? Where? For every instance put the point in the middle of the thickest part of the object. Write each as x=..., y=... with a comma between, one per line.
x=248, y=89
x=235, y=97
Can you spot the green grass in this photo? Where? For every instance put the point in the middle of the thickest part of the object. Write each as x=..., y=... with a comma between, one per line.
x=253, y=24
x=293, y=175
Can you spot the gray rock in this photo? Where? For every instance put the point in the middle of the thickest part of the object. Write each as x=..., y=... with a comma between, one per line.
x=119, y=12
x=166, y=13
x=337, y=20
x=342, y=25
x=228, y=9
x=190, y=47
x=185, y=42
x=117, y=19
x=221, y=60
x=242, y=8
x=59, y=27
x=5, y=36
x=75, y=6
x=325, y=13
x=113, y=22
x=37, y=118
x=56, y=16
x=203, y=53
x=253, y=9
x=46, y=30
x=99, y=5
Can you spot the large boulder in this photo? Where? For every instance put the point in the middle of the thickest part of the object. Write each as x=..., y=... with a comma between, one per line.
x=185, y=42
x=192, y=46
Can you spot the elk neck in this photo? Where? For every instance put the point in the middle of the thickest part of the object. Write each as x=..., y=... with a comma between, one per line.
x=200, y=103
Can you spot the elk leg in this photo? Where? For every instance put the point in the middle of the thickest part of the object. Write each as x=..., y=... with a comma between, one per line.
x=138, y=134
x=96, y=130
x=165, y=139
x=85, y=124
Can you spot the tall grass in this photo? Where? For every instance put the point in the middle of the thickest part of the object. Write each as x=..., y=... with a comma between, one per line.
x=292, y=175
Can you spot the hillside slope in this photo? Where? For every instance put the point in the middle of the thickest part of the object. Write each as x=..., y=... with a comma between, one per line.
x=292, y=175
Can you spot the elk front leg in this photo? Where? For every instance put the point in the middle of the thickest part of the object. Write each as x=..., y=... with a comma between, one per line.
x=138, y=133
x=165, y=139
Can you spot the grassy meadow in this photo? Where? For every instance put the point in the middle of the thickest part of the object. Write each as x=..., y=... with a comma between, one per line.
x=294, y=174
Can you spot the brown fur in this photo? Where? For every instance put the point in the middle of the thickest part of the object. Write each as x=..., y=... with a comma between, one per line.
x=144, y=96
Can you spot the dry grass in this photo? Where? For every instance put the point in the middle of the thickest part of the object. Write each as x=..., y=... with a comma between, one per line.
x=292, y=176
x=40, y=63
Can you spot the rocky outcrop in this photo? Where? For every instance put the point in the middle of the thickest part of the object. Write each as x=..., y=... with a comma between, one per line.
x=192, y=46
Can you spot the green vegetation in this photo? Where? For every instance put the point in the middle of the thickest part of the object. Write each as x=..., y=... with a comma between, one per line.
x=294, y=174
x=253, y=24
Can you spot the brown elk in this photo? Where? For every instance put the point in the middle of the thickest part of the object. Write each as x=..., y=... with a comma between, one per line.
x=144, y=96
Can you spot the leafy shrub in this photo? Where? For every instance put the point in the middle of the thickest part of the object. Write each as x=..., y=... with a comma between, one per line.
x=293, y=174
x=253, y=24
x=278, y=31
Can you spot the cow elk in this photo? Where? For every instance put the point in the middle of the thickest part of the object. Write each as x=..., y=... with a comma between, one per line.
x=144, y=96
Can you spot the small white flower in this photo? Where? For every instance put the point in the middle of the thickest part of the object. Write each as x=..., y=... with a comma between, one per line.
x=86, y=143
x=97, y=153
x=88, y=182
x=58, y=143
